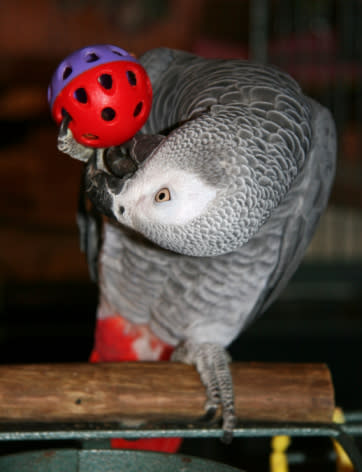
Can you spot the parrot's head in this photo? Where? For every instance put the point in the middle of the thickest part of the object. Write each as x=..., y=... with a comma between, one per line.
x=192, y=192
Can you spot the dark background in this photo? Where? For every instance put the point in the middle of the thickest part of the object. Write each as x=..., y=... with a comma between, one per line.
x=47, y=303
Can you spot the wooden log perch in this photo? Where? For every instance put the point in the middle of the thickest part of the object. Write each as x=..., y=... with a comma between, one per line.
x=160, y=391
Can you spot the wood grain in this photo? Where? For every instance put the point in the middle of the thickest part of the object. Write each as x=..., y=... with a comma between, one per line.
x=160, y=391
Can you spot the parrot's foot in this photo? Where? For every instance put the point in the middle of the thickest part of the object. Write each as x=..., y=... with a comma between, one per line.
x=68, y=145
x=211, y=361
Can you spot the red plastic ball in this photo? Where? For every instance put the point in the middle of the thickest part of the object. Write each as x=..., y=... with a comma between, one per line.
x=108, y=104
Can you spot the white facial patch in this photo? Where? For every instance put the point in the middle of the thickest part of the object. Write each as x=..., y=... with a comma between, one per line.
x=188, y=197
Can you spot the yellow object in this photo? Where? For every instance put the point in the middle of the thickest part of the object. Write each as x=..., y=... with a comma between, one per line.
x=343, y=462
x=278, y=458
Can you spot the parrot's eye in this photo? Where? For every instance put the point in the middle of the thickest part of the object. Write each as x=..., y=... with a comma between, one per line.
x=163, y=195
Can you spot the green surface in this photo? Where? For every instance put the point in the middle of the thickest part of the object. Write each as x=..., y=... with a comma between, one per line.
x=106, y=461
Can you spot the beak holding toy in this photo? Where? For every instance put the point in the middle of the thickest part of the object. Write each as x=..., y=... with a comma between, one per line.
x=106, y=93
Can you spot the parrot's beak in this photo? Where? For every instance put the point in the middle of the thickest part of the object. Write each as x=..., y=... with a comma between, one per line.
x=105, y=179
x=123, y=161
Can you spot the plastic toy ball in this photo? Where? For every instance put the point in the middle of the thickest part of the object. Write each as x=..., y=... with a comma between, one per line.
x=106, y=92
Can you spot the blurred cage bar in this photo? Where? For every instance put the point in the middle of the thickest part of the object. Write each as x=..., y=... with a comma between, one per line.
x=318, y=43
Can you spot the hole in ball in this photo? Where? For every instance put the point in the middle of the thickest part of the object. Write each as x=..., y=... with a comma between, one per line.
x=119, y=53
x=131, y=76
x=66, y=72
x=106, y=81
x=138, y=109
x=108, y=114
x=81, y=95
x=91, y=57
x=90, y=136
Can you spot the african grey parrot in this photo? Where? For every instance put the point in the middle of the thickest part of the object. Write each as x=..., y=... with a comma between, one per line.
x=210, y=207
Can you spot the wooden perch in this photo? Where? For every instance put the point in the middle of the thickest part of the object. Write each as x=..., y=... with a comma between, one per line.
x=160, y=391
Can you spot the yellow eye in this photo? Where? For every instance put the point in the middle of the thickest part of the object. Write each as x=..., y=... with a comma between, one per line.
x=163, y=195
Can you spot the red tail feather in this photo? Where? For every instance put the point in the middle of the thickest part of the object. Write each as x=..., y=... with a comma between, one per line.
x=117, y=340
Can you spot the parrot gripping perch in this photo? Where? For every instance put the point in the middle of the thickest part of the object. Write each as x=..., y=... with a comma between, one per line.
x=211, y=362
x=211, y=206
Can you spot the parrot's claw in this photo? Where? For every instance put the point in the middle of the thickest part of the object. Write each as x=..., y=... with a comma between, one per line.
x=211, y=361
x=89, y=226
x=68, y=145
